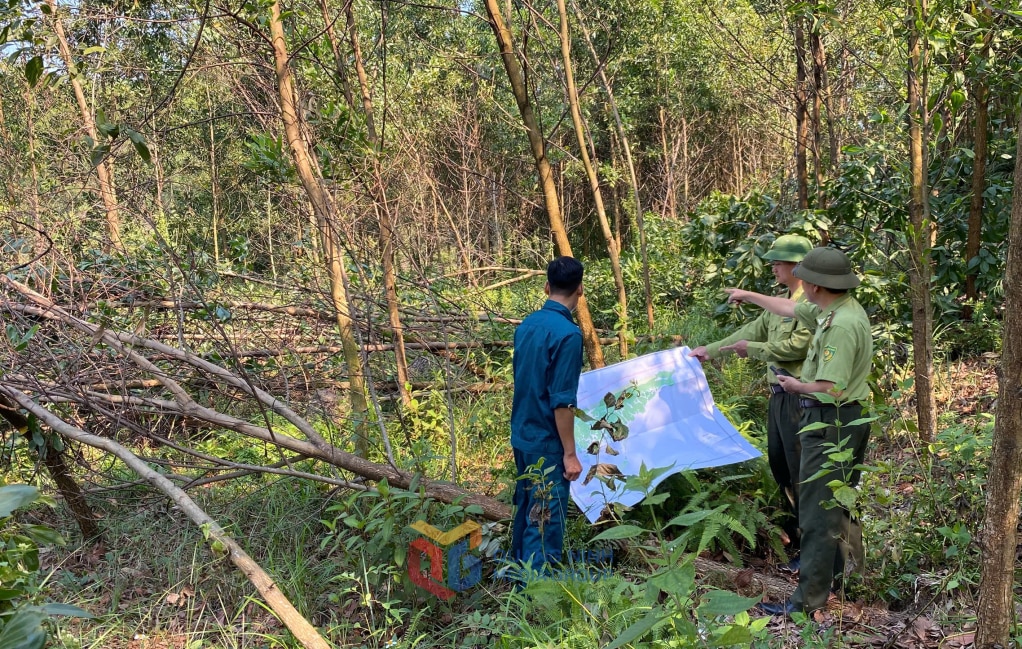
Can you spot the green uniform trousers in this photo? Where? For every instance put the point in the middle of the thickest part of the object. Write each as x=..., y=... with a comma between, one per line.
x=784, y=449
x=829, y=534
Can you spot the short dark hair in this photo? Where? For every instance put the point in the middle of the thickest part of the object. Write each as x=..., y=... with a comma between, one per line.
x=564, y=275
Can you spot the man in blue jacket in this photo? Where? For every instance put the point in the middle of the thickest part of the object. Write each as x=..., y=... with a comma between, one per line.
x=547, y=365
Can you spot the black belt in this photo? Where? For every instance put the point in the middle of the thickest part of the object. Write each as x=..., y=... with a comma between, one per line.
x=776, y=389
x=813, y=403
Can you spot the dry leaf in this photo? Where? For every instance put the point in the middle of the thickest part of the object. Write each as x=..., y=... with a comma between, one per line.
x=744, y=577
x=921, y=627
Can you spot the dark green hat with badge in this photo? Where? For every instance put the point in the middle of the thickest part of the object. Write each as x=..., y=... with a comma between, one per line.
x=788, y=247
x=827, y=267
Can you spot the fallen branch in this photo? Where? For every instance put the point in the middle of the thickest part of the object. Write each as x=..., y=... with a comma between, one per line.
x=130, y=347
x=302, y=629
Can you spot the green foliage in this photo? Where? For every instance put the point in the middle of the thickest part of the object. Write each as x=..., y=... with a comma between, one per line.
x=23, y=614
x=662, y=608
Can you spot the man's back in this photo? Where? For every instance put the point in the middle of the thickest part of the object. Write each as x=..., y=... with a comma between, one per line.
x=547, y=365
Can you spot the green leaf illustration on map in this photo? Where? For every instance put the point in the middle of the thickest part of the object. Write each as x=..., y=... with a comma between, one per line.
x=608, y=420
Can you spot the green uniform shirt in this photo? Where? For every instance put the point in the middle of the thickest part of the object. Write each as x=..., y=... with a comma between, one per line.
x=842, y=347
x=772, y=339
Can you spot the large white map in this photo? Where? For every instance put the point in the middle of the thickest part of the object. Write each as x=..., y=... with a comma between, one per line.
x=655, y=410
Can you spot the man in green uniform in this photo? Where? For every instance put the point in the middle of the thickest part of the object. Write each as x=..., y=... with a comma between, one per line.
x=838, y=364
x=780, y=342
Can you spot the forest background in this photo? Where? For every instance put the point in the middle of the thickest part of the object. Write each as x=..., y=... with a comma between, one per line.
x=262, y=265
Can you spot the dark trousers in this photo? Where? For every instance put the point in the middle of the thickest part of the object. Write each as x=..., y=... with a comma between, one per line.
x=829, y=533
x=784, y=451
x=541, y=503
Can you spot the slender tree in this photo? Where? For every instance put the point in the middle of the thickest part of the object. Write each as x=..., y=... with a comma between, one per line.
x=801, y=113
x=981, y=95
x=999, y=540
x=104, y=170
x=613, y=251
x=326, y=220
x=919, y=243
x=546, y=178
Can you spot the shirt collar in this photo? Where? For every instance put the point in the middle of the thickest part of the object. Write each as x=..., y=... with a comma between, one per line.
x=559, y=308
x=834, y=306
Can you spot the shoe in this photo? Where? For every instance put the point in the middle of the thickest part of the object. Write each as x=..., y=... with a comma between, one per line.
x=784, y=607
x=792, y=566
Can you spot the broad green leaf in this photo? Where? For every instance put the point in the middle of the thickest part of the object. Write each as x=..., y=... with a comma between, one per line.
x=16, y=496
x=816, y=425
x=620, y=532
x=735, y=635
x=846, y=496
x=637, y=630
x=724, y=602
x=93, y=50
x=656, y=499
x=34, y=70
x=678, y=581
x=24, y=630
x=42, y=535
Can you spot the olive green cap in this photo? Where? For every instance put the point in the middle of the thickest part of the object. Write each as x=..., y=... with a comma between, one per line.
x=788, y=247
x=827, y=267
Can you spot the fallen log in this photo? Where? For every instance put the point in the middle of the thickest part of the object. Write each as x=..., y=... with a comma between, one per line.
x=220, y=541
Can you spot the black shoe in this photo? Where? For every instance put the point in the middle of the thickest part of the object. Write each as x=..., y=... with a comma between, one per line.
x=784, y=607
x=792, y=566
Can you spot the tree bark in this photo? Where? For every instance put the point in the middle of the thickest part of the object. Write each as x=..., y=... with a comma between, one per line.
x=104, y=170
x=919, y=242
x=594, y=182
x=384, y=215
x=816, y=51
x=326, y=220
x=999, y=539
x=546, y=178
x=801, y=117
x=974, y=236
x=629, y=162
x=335, y=47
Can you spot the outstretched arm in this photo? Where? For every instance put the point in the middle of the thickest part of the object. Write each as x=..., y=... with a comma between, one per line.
x=779, y=305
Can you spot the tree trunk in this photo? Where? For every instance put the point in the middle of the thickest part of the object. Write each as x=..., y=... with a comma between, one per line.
x=632, y=179
x=214, y=183
x=546, y=178
x=335, y=47
x=816, y=51
x=823, y=79
x=919, y=243
x=104, y=170
x=384, y=216
x=999, y=540
x=801, y=121
x=974, y=239
x=326, y=221
x=594, y=183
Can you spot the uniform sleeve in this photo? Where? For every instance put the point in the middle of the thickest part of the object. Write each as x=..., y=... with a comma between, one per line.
x=837, y=356
x=751, y=331
x=565, y=369
x=794, y=348
x=807, y=313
